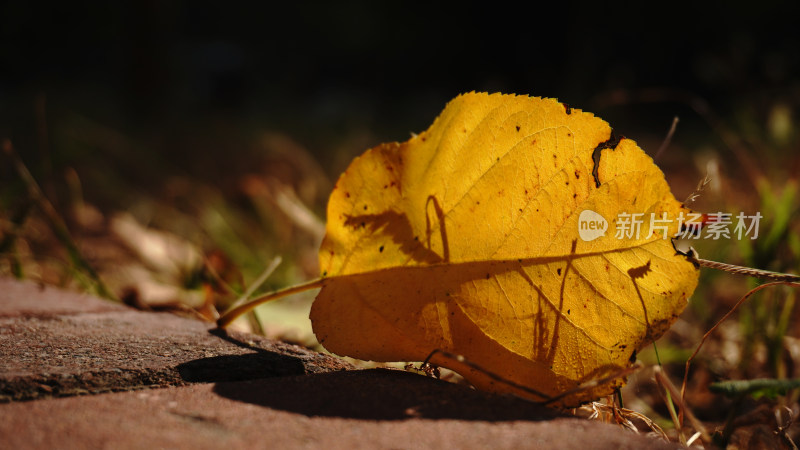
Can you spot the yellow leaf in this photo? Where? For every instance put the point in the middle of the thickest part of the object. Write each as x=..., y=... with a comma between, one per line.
x=466, y=239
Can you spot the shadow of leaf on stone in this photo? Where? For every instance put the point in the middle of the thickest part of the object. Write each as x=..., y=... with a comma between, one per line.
x=261, y=363
x=239, y=367
x=380, y=394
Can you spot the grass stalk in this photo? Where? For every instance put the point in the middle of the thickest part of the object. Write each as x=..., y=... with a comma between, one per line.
x=54, y=220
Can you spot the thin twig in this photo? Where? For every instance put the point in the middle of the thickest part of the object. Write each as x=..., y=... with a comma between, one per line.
x=741, y=270
x=708, y=333
x=548, y=399
x=782, y=427
x=736, y=144
x=664, y=381
x=489, y=373
x=667, y=139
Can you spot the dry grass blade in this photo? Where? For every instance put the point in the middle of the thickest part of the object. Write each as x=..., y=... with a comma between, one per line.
x=258, y=282
x=623, y=417
x=54, y=220
x=665, y=382
x=294, y=208
x=708, y=333
x=741, y=270
x=701, y=186
x=694, y=437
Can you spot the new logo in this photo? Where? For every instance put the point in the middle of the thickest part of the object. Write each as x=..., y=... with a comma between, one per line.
x=591, y=225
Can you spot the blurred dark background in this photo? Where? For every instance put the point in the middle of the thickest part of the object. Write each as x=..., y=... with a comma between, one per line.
x=176, y=74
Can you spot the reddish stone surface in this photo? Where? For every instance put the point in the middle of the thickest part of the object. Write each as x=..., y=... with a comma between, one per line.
x=26, y=299
x=50, y=347
x=359, y=409
x=237, y=391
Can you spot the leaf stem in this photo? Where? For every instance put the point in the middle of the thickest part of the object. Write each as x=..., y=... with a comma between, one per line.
x=232, y=314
